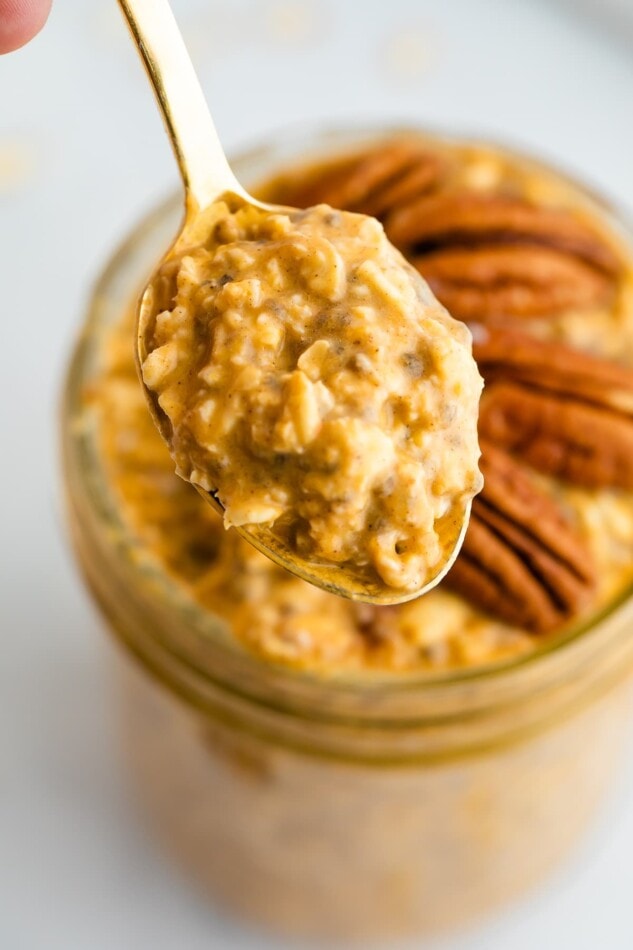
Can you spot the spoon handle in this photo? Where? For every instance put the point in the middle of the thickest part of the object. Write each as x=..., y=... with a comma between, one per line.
x=203, y=165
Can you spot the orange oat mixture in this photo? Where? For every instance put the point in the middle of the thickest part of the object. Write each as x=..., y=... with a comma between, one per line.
x=547, y=287
x=312, y=382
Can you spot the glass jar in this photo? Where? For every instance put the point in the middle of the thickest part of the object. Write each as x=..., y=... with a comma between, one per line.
x=340, y=806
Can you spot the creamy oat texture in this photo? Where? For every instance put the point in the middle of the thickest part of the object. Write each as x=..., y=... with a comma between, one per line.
x=269, y=611
x=313, y=382
x=285, y=620
x=276, y=615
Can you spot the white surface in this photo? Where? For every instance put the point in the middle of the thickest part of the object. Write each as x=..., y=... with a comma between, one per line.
x=77, y=869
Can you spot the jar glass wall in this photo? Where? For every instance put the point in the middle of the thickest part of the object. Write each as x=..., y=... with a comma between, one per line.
x=351, y=805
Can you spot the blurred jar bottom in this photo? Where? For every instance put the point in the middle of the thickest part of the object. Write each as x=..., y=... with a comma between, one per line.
x=311, y=847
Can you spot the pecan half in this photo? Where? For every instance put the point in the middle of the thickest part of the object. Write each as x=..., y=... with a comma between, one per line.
x=521, y=560
x=374, y=182
x=482, y=283
x=468, y=218
x=492, y=255
x=564, y=412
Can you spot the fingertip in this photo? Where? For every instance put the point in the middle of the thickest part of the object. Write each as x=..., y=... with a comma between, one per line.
x=20, y=21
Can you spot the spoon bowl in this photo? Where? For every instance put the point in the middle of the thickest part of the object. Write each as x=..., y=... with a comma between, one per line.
x=350, y=582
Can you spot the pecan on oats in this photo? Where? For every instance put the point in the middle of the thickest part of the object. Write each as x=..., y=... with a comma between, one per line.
x=374, y=182
x=563, y=412
x=521, y=561
x=485, y=255
x=491, y=255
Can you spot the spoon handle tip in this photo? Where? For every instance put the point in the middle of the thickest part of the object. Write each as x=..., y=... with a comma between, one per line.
x=203, y=165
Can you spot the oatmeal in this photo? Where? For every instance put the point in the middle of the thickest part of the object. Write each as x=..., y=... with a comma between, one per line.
x=280, y=617
x=313, y=384
x=271, y=612
x=551, y=537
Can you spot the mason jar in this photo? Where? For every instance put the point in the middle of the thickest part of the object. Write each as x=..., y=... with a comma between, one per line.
x=345, y=805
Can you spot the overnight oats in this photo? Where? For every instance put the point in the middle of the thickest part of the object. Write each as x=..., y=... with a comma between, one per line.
x=335, y=768
x=305, y=375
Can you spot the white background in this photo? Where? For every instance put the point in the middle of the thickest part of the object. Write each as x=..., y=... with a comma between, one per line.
x=82, y=154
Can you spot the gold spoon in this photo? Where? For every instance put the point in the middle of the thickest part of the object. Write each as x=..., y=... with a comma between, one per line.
x=207, y=176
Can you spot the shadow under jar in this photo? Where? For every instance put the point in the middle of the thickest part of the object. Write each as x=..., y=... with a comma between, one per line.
x=354, y=801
